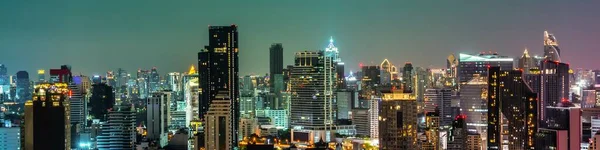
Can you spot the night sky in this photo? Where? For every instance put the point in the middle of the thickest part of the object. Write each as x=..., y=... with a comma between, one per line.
x=96, y=36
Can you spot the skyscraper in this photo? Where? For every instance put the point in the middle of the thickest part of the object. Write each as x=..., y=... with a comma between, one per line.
x=218, y=65
x=473, y=102
x=157, y=116
x=332, y=51
x=119, y=131
x=407, y=78
x=41, y=75
x=527, y=62
x=154, y=80
x=101, y=100
x=511, y=97
x=440, y=99
x=371, y=75
x=469, y=65
x=218, y=133
x=398, y=121
x=312, y=105
x=4, y=81
x=47, y=118
x=276, y=59
x=551, y=50
x=61, y=75
x=562, y=128
x=553, y=86
x=457, y=135
x=23, y=85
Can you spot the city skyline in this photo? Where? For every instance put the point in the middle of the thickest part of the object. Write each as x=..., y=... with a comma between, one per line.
x=169, y=34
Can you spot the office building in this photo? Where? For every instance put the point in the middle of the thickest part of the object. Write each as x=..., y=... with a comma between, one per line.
x=154, y=80
x=562, y=128
x=174, y=82
x=432, y=131
x=473, y=103
x=360, y=118
x=527, y=62
x=158, y=117
x=47, y=124
x=386, y=72
x=374, y=117
x=191, y=96
x=553, y=86
x=23, y=86
x=371, y=75
x=119, y=132
x=4, y=82
x=469, y=65
x=218, y=67
x=218, y=129
x=398, y=123
x=440, y=99
x=551, y=50
x=474, y=141
x=511, y=97
x=280, y=117
x=101, y=100
x=343, y=102
x=457, y=134
x=312, y=104
x=10, y=136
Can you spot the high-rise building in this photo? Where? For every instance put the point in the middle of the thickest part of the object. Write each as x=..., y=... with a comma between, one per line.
x=101, y=100
x=191, y=97
x=386, y=72
x=4, y=82
x=374, y=117
x=474, y=141
x=398, y=123
x=473, y=103
x=551, y=50
x=440, y=99
x=218, y=129
x=432, y=127
x=553, y=86
x=562, y=128
x=119, y=131
x=276, y=60
x=371, y=75
x=41, y=75
x=154, y=80
x=407, y=78
x=47, y=124
x=158, y=113
x=343, y=102
x=23, y=86
x=10, y=137
x=469, y=65
x=78, y=104
x=218, y=67
x=457, y=135
x=360, y=118
x=174, y=81
x=332, y=51
x=510, y=98
x=527, y=62
x=313, y=92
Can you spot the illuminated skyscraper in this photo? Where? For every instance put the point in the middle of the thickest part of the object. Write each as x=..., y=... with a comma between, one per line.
x=469, y=65
x=407, y=78
x=527, y=62
x=553, y=86
x=47, y=118
x=312, y=105
x=174, y=81
x=4, y=81
x=61, y=75
x=551, y=50
x=457, y=135
x=511, y=98
x=218, y=130
x=41, y=75
x=154, y=80
x=398, y=121
x=440, y=99
x=473, y=102
x=119, y=131
x=218, y=65
x=562, y=129
x=23, y=86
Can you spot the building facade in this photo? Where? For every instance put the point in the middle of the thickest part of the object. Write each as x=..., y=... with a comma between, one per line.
x=398, y=123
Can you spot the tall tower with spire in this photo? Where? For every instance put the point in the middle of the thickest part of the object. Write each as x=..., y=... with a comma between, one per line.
x=551, y=50
x=332, y=52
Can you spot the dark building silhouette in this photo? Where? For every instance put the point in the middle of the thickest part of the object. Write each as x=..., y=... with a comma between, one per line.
x=276, y=59
x=407, y=78
x=371, y=75
x=510, y=96
x=457, y=135
x=218, y=71
x=23, y=86
x=101, y=101
x=47, y=118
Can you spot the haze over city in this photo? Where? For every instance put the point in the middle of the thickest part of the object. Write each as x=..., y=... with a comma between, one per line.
x=143, y=34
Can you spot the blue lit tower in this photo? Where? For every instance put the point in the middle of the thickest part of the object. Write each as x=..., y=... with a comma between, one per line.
x=218, y=66
x=4, y=81
x=332, y=52
x=23, y=85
